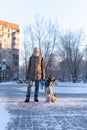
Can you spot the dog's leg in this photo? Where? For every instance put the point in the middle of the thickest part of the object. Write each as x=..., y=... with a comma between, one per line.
x=46, y=93
x=51, y=93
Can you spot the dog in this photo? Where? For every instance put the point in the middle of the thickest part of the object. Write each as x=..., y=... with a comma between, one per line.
x=50, y=96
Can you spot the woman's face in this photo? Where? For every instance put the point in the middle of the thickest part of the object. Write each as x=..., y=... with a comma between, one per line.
x=36, y=53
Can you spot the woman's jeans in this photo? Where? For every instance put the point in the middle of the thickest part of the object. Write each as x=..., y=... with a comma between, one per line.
x=30, y=87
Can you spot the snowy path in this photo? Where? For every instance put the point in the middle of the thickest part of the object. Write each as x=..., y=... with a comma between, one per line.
x=68, y=113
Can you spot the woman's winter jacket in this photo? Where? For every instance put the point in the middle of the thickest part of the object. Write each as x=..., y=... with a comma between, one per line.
x=35, y=68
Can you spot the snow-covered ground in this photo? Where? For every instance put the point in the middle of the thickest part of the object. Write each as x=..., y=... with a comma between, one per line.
x=4, y=116
x=8, y=83
x=65, y=88
x=58, y=87
x=61, y=88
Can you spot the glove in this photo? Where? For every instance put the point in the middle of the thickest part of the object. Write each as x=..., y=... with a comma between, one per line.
x=42, y=82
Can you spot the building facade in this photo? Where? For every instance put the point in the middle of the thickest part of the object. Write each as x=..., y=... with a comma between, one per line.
x=9, y=50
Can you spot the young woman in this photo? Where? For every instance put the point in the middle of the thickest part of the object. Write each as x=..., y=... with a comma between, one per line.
x=35, y=73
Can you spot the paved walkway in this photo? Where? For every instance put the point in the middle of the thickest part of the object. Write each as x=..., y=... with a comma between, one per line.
x=68, y=113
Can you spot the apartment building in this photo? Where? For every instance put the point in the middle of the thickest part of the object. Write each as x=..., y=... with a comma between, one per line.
x=9, y=49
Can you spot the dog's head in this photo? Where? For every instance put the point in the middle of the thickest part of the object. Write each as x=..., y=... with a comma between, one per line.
x=51, y=78
x=50, y=81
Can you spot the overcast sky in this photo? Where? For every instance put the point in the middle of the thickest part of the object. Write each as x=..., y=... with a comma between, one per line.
x=68, y=13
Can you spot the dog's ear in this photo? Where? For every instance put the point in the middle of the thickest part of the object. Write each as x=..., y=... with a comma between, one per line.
x=51, y=78
x=54, y=79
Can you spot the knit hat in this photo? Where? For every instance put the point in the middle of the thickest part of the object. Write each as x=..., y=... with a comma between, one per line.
x=36, y=49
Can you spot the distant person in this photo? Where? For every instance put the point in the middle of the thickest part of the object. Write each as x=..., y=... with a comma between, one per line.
x=35, y=73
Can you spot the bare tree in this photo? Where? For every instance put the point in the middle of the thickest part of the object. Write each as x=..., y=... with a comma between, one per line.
x=50, y=49
x=85, y=62
x=25, y=52
x=43, y=35
x=40, y=33
x=53, y=65
x=70, y=47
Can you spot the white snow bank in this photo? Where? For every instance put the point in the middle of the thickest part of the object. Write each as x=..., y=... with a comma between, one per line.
x=62, y=90
x=65, y=88
x=58, y=87
x=70, y=84
x=72, y=90
x=4, y=118
x=7, y=83
x=57, y=84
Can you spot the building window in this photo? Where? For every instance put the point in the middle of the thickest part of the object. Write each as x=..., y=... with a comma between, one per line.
x=16, y=63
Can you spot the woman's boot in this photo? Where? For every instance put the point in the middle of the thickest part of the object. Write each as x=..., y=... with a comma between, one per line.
x=27, y=99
